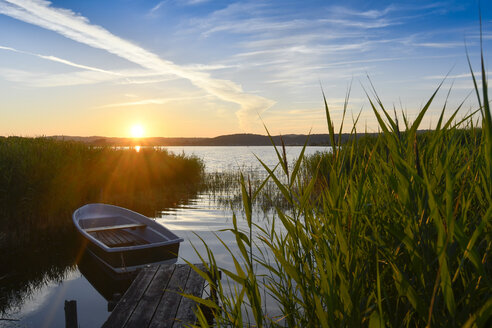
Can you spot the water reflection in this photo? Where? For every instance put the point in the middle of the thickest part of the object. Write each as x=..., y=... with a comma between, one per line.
x=35, y=283
x=110, y=285
x=26, y=270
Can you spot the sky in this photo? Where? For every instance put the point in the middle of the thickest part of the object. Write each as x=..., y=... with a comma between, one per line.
x=198, y=68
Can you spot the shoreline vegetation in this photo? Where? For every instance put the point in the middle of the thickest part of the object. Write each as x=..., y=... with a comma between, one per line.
x=44, y=180
x=387, y=230
x=241, y=139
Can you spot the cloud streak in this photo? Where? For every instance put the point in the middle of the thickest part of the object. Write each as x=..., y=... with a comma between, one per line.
x=78, y=28
x=60, y=60
x=46, y=80
x=152, y=101
x=157, y=7
x=92, y=74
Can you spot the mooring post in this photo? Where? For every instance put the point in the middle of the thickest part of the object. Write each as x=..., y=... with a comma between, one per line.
x=71, y=314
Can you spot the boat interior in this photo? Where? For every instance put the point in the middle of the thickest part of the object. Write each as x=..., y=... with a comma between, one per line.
x=119, y=231
x=118, y=238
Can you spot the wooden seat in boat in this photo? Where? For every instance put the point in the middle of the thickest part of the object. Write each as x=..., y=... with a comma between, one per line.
x=116, y=227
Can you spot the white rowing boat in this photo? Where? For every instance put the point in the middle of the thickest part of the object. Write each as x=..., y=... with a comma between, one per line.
x=125, y=240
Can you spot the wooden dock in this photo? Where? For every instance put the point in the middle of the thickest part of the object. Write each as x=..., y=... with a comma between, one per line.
x=153, y=300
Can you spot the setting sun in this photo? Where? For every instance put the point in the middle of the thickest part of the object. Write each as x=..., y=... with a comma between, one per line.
x=137, y=131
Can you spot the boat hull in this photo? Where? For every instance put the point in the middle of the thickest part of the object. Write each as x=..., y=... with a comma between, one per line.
x=131, y=260
x=123, y=240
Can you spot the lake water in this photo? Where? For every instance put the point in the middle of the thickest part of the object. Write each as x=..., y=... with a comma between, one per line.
x=43, y=305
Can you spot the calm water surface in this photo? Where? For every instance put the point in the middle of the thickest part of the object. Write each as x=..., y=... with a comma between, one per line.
x=43, y=306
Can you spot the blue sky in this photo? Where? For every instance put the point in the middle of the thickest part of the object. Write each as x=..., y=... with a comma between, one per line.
x=206, y=68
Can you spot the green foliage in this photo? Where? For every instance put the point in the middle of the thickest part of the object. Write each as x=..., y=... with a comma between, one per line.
x=392, y=230
x=42, y=181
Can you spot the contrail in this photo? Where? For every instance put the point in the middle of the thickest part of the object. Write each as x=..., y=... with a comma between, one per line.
x=62, y=61
x=78, y=28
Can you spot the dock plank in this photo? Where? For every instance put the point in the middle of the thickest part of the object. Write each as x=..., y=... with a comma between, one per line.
x=170, y=301
x=125, y=307
x=147, y=305
x=153, y=299
x=194, y=286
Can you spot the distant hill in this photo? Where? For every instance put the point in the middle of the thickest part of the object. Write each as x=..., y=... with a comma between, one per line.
x=245, y=139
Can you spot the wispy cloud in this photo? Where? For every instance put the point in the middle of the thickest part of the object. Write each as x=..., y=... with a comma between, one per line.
x=289, y=50
x=60, y=60
x=194, y=2
x=439, y=44
x=373, y=13
x=49, y=80
x=261, y=18
x=157, y=7
x=16, y=75
x=372, y=24
x=456, y=76
x=153, y=101
x=212, y=67
x=90, y=75
x=297, y=49
x=78, y=28
x=134, y=76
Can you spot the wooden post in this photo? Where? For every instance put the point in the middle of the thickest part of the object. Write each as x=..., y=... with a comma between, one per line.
x=71, y=314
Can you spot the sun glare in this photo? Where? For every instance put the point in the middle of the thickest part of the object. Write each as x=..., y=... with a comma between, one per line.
x=137, y=131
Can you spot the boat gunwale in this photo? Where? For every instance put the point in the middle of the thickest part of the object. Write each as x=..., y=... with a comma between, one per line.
x=108, y=249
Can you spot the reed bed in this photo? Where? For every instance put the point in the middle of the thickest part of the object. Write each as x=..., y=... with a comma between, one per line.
x=224, y=189
x=42, y=181
x=393, y=230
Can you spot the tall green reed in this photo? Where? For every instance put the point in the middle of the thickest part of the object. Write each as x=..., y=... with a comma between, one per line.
x=391, y=230
x=42, y=181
